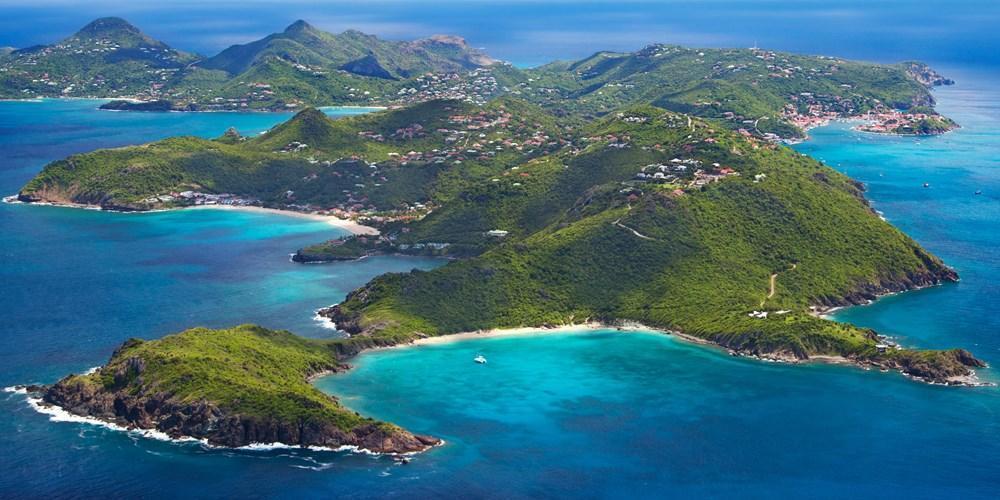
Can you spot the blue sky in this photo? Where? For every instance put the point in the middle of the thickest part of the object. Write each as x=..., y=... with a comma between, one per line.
x=529, y=32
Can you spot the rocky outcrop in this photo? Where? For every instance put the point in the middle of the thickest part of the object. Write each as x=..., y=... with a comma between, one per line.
x=71, y=197
x=952, y=367
x=926, y=75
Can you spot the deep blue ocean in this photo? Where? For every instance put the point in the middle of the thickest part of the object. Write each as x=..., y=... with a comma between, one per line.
x=600, y=414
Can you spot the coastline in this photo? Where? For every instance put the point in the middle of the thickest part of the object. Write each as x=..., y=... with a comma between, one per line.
x=58, y=414
x=345, y=224
x=827, y=312
x=590, y=327
x=970, y=380
x=137, y=100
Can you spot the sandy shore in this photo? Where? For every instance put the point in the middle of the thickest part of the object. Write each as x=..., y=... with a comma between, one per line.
x=583, y=328
x=506, y=332
x=539, y=331
x=346, y=224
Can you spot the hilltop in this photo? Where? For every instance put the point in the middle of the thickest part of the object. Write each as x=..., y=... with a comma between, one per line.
x=368, y=162
x=352, y=51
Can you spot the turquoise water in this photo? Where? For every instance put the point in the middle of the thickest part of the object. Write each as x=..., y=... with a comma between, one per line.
x=593, y=414
x=947, y=217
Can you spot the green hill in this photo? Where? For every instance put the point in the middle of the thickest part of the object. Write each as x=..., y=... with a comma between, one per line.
x=752, y=89
x=231, y=387
x=366, y=55
x=587, y=242
x=644, y=215
x=762, y=92
x=300, y=66
x=106, y=58
x=364, y=162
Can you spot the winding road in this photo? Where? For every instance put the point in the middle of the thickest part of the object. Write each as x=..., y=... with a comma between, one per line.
x=774, y=282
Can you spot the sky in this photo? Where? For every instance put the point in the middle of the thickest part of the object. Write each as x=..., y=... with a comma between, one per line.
x=525, y=32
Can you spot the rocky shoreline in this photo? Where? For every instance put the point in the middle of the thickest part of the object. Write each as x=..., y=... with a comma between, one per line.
x=119, y=395
x=206, y=422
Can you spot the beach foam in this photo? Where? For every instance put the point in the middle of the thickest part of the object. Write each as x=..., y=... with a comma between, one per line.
x=57, y=414
x=324, y=321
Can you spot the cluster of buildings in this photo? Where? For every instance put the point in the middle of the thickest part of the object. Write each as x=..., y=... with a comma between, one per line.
x=814, y=115
x=687, y=173
x=808, y=110
x=293, y=147
x=891, y=121
x=198, y=198
x=667, y=172
x=478, y=136
x=476, y=86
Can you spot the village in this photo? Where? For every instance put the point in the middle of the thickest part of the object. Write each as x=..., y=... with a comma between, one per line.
x=195, y=198
x=688, y=173
x=476, y=86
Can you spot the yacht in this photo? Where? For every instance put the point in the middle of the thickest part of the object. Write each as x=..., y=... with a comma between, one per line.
x=480, y=359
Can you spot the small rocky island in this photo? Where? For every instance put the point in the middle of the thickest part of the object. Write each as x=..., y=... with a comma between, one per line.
x=232, y=387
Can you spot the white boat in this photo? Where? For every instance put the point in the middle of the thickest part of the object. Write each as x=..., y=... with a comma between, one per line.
x=480, y=359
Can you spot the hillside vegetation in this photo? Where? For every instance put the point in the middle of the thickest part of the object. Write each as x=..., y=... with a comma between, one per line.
x=761, y=92
x=583, y=195
x=231, y=387
x=644, y=215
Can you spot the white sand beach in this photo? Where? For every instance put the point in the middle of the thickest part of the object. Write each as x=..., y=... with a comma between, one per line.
x=346, y=224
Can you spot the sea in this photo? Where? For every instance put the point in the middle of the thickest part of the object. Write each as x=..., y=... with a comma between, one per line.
x=587, y=414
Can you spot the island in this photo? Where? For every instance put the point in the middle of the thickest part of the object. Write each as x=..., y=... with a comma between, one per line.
x=234, y=387
x=594, y=202
x=762, y=92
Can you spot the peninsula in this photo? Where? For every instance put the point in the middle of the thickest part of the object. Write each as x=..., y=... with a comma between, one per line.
x=593, y=201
